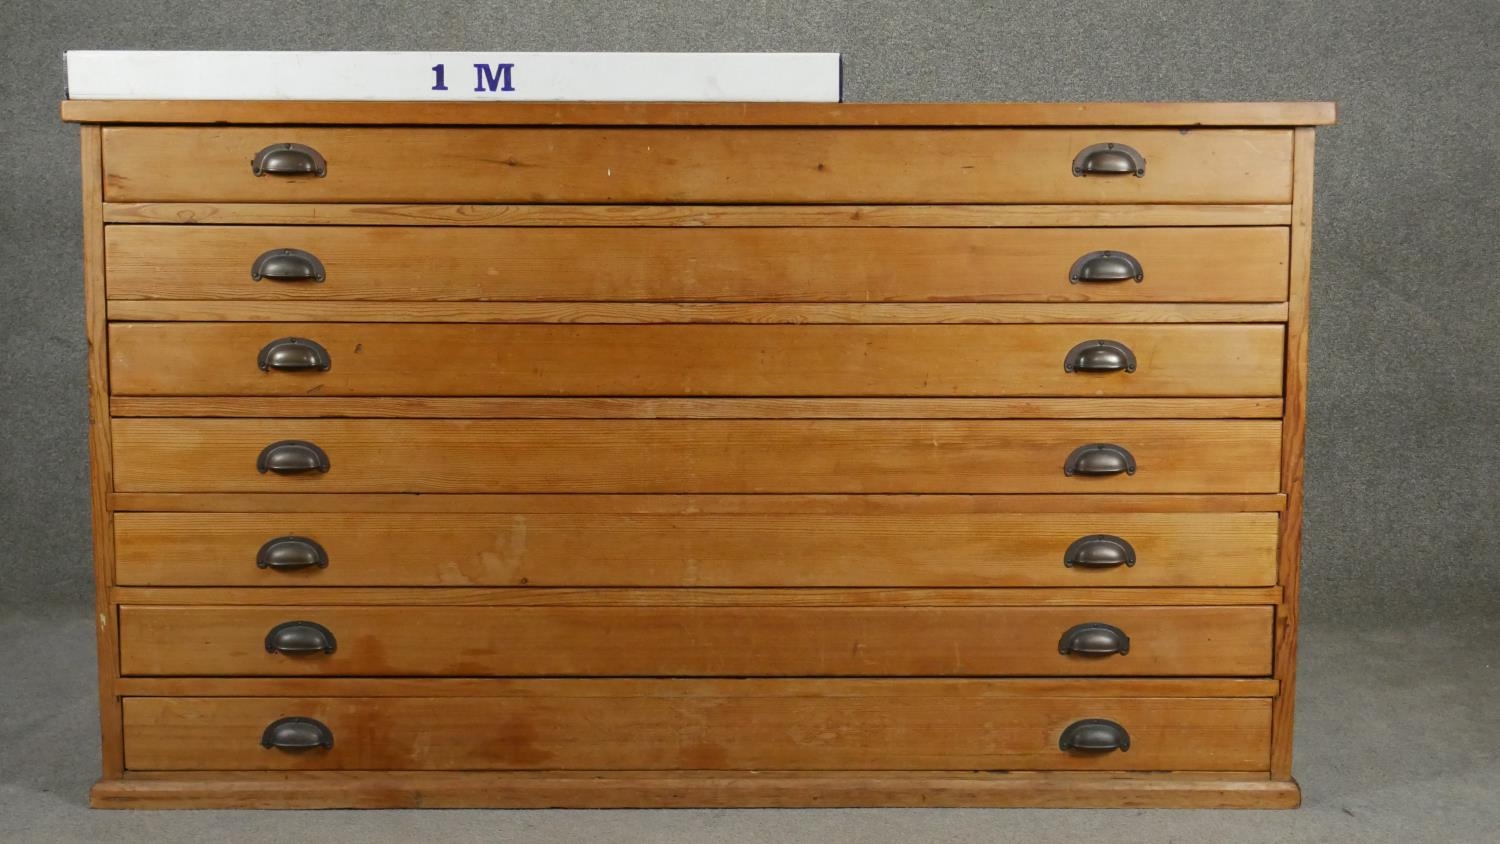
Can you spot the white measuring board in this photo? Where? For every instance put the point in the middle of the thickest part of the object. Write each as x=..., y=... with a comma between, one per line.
x=455, y=77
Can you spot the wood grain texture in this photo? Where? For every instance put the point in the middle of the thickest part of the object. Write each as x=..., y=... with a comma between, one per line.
x=1294, y=435
x=272, y=502
x=884, y=216
x=998, y=689
x=738, y=408
x=704, y=165
x=696, y=456
x=684, y=596
x=702, y=114
x=671, y=641
x=1227, y=264
x=217, y=359
x=684, y=789
x=101, y=476
x=522, y=549
x=790, y=732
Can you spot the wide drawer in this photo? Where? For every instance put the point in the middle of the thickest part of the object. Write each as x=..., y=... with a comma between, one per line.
x=1232, y=264
x=697, y=549
x=703, y=725
x=352, y=359
x=702, y=456
x=528, y=165
x=675, y=641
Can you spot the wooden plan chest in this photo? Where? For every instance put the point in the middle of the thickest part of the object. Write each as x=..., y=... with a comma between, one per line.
x=655, y=455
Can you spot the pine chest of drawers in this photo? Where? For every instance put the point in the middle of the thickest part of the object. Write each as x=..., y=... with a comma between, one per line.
x=696, y=455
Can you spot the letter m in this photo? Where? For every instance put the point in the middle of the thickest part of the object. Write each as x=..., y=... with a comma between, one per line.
x=487, y=78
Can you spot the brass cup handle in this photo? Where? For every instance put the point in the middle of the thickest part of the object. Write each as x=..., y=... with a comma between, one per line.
x=1094, y=638
x=1099, y=459
x=1099, y=551
x=1106, y=267
x=294, y=354
x=1094, y=735
x=288, y=265
x=298, y=638
x=297, y=734
x=1099, y=356
x=291, y=553
x=1109, y=160
x=292, y=457
x=289, y=160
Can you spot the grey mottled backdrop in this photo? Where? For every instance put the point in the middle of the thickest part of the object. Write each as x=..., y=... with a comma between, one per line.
x=1404, y=445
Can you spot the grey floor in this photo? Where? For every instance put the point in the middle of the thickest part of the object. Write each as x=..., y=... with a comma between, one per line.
x=1398, y=737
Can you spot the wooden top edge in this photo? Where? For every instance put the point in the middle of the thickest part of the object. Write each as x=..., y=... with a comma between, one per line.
x=698, y=114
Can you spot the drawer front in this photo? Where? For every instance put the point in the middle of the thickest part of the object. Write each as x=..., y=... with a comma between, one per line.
x=673, y=641
x=1238, y=264
x=700, y=549
x=893, y=725
x=702, y=456
x=218, y=359
x=627, y=165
